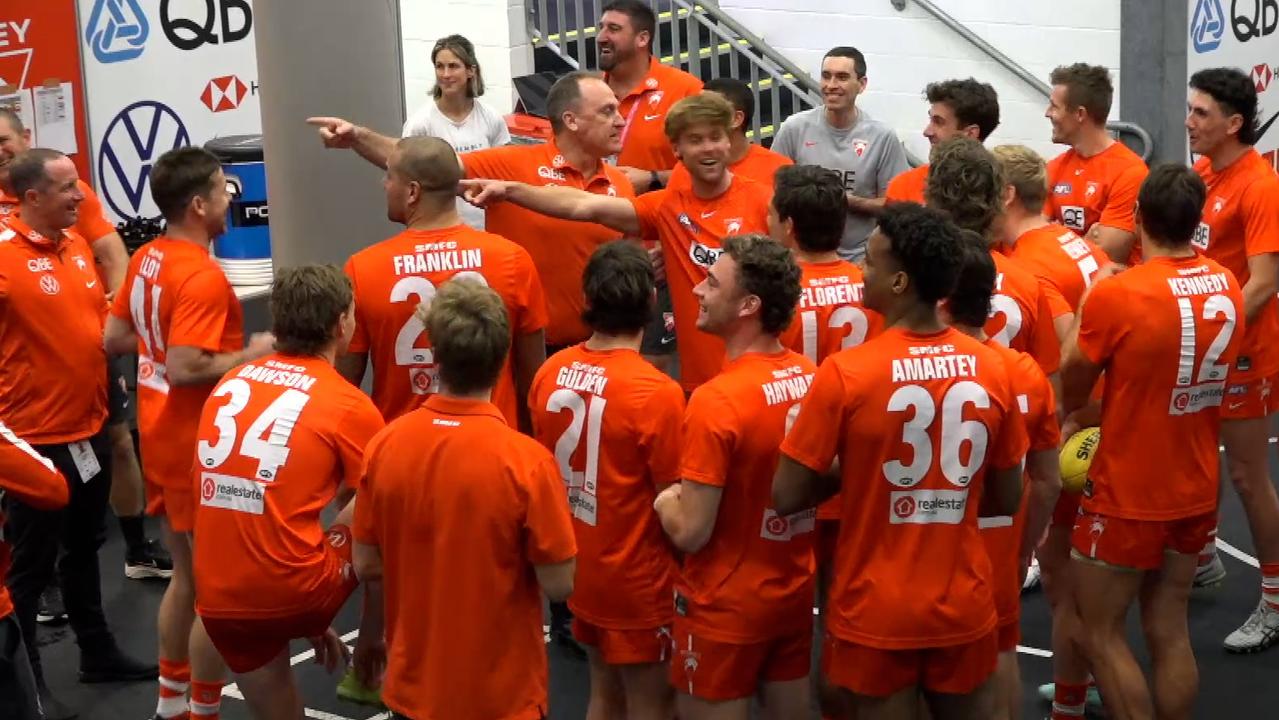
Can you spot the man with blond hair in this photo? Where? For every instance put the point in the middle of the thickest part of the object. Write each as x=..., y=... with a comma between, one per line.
x=1055, y=254
x=462, y=616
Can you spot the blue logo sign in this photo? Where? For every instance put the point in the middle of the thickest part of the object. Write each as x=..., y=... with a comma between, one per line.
x=136, y=137
x=1207, y=26
x=117, y=30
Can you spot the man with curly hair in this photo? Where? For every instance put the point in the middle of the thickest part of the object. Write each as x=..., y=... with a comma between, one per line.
x=911, y=609
x=967, y=108
x=743, y=603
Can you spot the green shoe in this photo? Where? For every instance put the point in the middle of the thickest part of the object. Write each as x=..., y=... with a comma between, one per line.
x=1092, y=703
x=353, y=690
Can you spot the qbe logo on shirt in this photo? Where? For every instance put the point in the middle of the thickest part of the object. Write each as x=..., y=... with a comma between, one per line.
x=231, y=493
x=704, y=255
x=1072, y=216
x=133, y=141
x=1203, y=236
x=927, y=507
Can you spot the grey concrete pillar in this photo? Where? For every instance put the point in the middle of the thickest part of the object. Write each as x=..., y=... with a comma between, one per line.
x=326, y=57
x=1153, y=38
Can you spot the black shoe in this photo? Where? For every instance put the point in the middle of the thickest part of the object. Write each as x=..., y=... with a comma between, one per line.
x=52, y=709
x=51, y=611
x=148, y=560
x=112, y=665
x=561, y=635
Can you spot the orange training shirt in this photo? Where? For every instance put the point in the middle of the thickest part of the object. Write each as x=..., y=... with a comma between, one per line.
x=613, y=421
x=394, y=276
x=277, y=439
x=691, y=231
x=559, y=248
x=917, y=422
x=461, y=508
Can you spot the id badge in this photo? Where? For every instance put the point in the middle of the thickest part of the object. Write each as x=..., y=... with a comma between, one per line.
x=86, y=462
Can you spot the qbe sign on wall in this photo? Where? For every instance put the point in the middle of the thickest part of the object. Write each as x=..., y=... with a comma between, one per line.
x=1243, y=34
x=161, y=74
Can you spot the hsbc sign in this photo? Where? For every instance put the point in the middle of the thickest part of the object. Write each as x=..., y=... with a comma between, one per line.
x=1261, y=76
x=227, y=93
x=187, y=71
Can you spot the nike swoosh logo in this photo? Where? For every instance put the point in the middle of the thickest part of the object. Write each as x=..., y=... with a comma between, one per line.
x=91, y=285
x=1261, y=131
x=651, y=118
x=708, y=214
x=810, y=143
x=1236, y=406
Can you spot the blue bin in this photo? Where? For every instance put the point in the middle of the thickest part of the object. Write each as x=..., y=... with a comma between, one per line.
x=248, y=235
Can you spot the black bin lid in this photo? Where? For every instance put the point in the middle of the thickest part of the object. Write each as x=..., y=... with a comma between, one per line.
x=236, y=148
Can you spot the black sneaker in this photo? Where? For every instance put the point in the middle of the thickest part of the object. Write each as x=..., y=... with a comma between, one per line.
x=112, y=665
x=52, y=708
x=148, y=560
x=51, y=611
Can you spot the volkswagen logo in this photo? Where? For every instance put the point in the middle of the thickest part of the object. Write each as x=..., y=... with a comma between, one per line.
x=134, y=139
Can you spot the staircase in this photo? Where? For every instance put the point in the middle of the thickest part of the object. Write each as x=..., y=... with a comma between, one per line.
x=698, y=38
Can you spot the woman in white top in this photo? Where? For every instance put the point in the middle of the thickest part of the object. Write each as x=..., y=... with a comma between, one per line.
x=454, y=115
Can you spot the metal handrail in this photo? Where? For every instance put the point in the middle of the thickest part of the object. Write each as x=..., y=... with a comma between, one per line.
x=779, y=85
x=1012, y=66
x=801, y=78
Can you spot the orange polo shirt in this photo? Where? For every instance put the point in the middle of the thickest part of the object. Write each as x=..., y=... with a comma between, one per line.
x=559, y=248
x=644, y=142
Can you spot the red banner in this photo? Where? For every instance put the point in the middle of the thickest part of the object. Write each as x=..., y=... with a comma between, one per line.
x=40, y=74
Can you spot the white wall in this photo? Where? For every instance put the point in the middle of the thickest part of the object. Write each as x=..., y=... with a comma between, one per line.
x=497, y=28
x=906, y=50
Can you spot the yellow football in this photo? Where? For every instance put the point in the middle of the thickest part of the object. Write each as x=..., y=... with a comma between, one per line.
x=1076, y=458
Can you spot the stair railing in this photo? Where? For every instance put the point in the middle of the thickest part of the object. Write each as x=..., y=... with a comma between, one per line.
x=700, y=38
x=1116, y=127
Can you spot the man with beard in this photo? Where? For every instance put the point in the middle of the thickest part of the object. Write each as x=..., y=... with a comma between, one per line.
x=646, y=89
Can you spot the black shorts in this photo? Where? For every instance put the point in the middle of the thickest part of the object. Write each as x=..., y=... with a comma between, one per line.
x=119, y=407
x=18, y=695
x=659, y=336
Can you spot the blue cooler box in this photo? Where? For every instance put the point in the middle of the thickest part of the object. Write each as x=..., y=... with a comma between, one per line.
x=248, y=235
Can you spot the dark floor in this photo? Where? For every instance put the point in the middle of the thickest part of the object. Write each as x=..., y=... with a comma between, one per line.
x=1231, y=686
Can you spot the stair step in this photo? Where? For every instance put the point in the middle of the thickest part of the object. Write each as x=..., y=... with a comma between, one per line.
x=707, y=56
